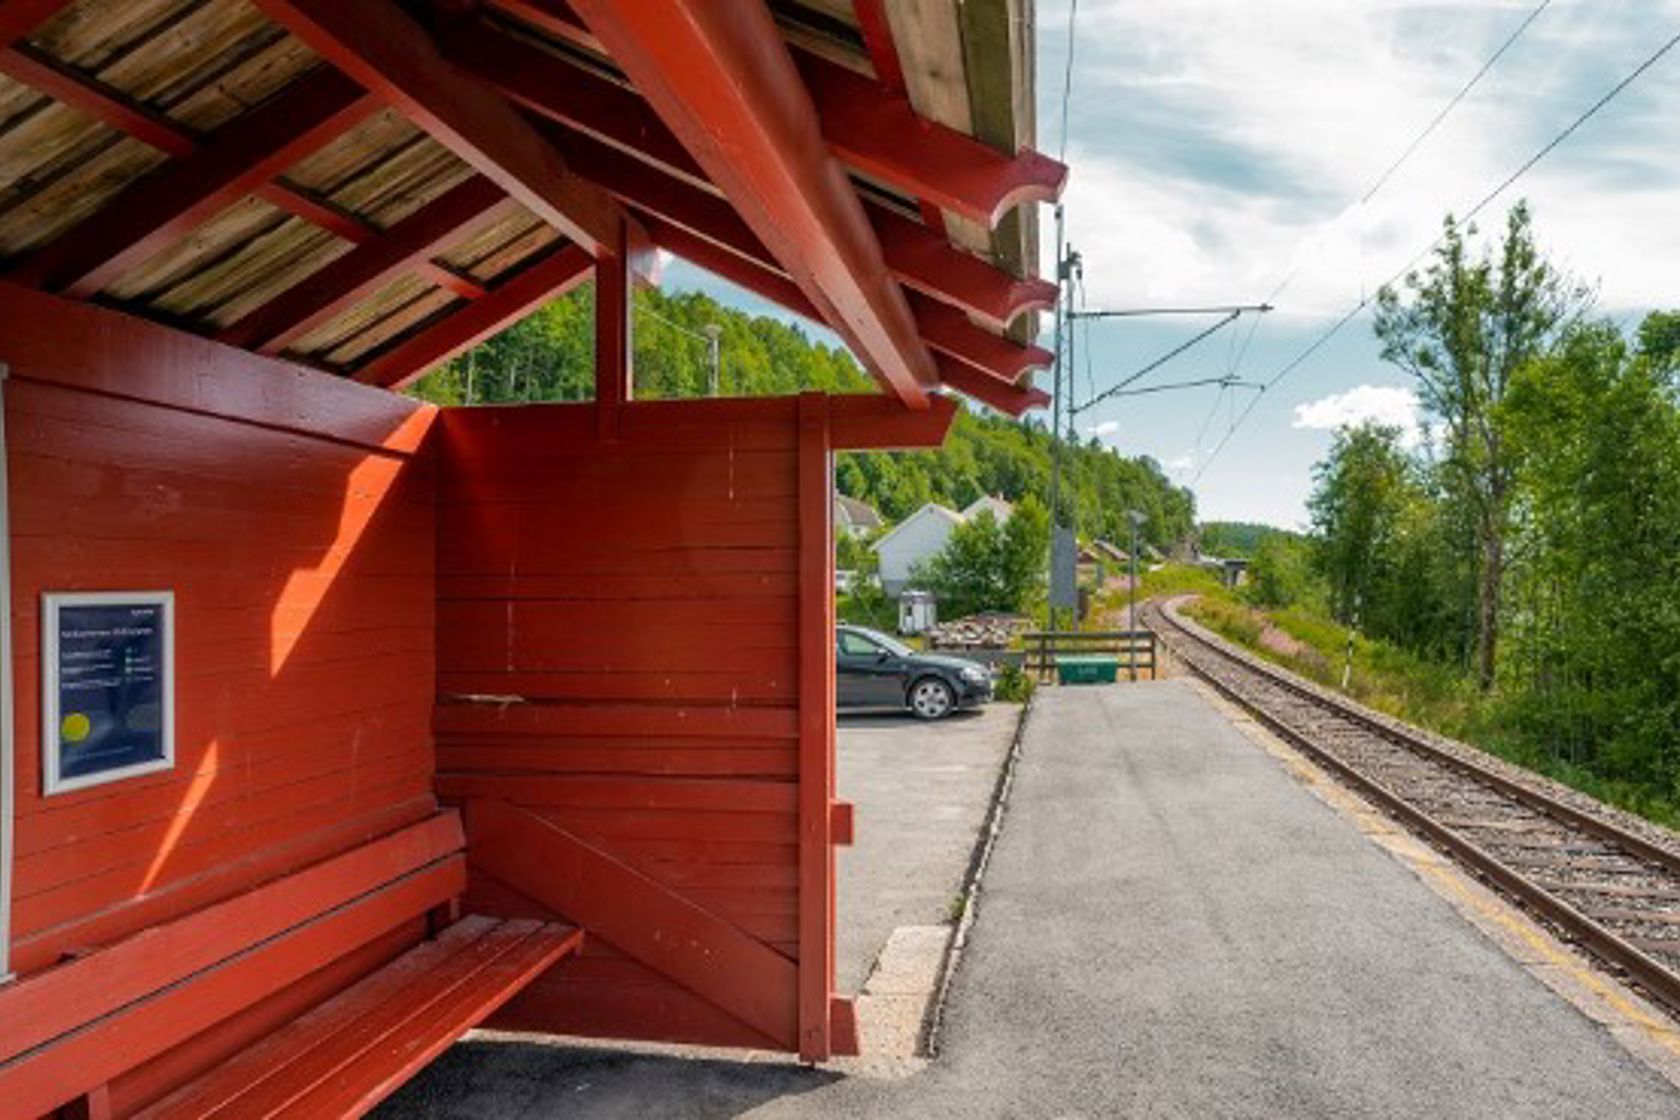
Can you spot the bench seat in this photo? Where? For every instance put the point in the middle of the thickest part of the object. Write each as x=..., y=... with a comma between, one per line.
x=69, y=1032
x=348, y=1054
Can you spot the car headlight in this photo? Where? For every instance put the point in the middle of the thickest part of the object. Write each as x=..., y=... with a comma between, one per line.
x=973, y=673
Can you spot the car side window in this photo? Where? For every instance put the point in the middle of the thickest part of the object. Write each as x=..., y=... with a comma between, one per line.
x=855, y=645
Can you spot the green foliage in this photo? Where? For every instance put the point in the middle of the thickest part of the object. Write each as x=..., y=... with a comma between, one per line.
x=1281, y=573
x=1014, y=684
x=1238, y=539
x=1464, y=329
x=995, y=455
x=1172, y=579
x=868, y=605
x=986, y=566
x=854, y=554
x=550, y=357
x=1362, y=492
x=1518, y=583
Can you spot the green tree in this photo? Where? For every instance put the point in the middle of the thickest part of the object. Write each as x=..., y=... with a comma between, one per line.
x=1280, y=573
x=1595, y=580
x=1464, y=328
x=1359, y=497
x=986, y=566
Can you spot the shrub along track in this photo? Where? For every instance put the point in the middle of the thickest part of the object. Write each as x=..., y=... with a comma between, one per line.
x=1612, y=891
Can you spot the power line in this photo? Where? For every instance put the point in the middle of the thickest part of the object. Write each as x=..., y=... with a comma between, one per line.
x=1140, y=312
x=1411, y=148
x=1075, y=410
x=1446, y=109
x=1528, y=165
x=1067, y=79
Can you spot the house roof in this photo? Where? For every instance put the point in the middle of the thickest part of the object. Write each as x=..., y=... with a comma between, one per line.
x=371, y=188
x=859, y=513
x=930, y=510
x=1109, y=550
x=999, y=507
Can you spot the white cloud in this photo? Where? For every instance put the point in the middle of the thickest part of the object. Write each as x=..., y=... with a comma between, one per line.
x=1389, y=405
x=1181, y=465
x=1104, y=429
x=1219, y=151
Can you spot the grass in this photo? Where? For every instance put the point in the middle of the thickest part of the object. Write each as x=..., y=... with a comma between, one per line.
x=1426, y=693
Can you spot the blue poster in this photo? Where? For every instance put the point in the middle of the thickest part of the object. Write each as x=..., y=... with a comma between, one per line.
x=111, y=681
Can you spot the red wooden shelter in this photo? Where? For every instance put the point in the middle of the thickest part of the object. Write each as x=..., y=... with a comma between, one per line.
x=520, y=716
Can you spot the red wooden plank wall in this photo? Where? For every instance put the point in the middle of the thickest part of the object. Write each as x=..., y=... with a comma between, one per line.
x=294, y=518
x=619, y=652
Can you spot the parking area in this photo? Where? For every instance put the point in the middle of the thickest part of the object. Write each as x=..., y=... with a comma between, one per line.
x=921, y=792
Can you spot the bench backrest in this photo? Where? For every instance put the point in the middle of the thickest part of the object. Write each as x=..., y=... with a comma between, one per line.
x=78, y=1025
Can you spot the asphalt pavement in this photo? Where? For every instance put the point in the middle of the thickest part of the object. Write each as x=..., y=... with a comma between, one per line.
x=1171, y=926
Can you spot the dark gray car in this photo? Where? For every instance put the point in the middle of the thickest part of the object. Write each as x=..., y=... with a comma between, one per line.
x=875, y=671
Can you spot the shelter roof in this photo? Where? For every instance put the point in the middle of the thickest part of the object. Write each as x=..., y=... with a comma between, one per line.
x=371, y=188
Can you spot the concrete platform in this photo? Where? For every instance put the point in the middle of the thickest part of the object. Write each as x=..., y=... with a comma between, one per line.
x=1172, y=925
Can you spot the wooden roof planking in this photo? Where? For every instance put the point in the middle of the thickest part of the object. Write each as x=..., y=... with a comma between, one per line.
x=103, y=100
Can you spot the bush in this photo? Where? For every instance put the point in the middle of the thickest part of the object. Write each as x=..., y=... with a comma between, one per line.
x=1014, y=684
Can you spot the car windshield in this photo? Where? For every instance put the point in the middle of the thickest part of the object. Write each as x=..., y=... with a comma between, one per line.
x=892, y=645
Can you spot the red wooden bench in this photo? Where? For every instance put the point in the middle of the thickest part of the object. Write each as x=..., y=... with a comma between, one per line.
x=66, y=1033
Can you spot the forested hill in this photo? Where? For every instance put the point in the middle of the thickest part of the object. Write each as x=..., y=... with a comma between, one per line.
x=1235, y=538
x=548, y=357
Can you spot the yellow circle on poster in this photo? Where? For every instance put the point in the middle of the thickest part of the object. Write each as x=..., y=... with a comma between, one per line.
x=75, y=727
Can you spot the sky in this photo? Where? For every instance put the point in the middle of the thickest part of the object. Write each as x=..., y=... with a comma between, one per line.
x=1217, y=149
x=1221, y=151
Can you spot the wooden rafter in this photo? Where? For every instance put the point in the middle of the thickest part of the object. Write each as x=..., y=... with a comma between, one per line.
x=607, y=125
x=364, y=270
x=720, y=77
x=870, y=125
x=378, y=44
x=460, y=330
x=19, y=17
x=133, y=118
x=706, y=216
x=1015, y=400
x=235, y=160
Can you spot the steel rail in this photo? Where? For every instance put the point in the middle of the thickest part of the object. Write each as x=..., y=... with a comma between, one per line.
x=1655, y=977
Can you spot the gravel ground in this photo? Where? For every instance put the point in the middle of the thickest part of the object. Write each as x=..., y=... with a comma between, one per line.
x=1646, y=830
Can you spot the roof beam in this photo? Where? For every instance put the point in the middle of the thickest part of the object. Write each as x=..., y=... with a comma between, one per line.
x=318, y=297
x=118, y=110
x=40, y=71
x=857, y=422
x=508, y=302
x=600, y=110
x=379, y=45
x=923, y=258
x=161, y=208
x=949, y=331
x=19, y=17
x=720, y=77
x=706, y=216
x=875, y=130
x=871, y=126
x=1014, y=400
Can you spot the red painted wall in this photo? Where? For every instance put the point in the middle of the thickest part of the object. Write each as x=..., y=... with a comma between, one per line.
x=620, y=651
x=293, y=516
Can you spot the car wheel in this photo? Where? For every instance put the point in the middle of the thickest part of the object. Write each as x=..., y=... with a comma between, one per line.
x=931, y=698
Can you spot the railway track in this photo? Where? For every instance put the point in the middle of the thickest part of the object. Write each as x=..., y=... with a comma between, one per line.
x=1611, y=891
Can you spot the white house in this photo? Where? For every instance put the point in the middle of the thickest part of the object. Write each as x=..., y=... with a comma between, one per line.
x=854, y=518
x=921, y=536
x=1000, y=508
x=915, y=539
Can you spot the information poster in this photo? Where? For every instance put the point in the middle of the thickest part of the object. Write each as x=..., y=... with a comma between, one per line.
x=108, y=697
